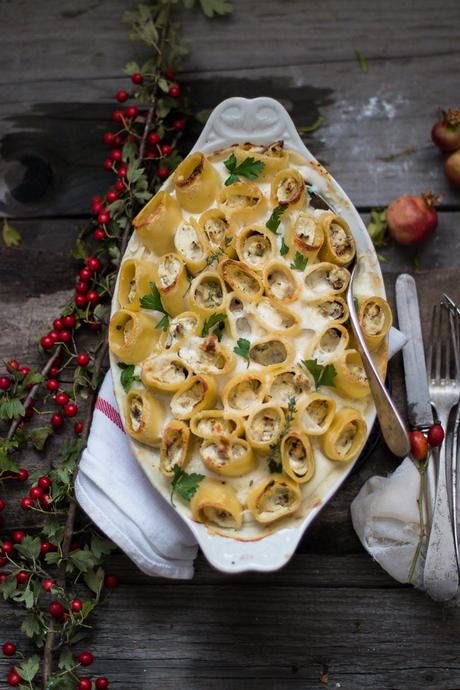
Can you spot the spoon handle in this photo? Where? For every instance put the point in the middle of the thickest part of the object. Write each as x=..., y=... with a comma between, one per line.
x=393, y=428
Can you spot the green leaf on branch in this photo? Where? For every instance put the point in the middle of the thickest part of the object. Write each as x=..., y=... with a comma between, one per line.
x=28, y=668
x=11, y=408
x=94, y=580
x=100, y=546
x=29, y=548
x=7, y=464
x=83, y=559
x=219, y=7
x=66, y=660
x=202, y=116
x=39, y=436
x=11, y=236
x=127, y=376
x=184, y=484
x=323, y=375
x=9, y=587
x=31, y=626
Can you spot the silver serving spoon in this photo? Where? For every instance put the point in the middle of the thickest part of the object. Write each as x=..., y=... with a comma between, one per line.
x=393, y=428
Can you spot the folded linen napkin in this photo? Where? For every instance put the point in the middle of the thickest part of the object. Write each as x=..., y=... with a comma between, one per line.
x=113, y=490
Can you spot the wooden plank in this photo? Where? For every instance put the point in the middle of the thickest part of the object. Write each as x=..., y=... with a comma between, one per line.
x=58, y=113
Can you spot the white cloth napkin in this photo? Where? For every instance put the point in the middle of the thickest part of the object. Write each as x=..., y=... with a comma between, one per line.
x=113, y=490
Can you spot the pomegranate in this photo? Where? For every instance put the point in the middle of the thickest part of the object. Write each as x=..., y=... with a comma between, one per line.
x=452, y=168
x=446, y=132
x=412, y=219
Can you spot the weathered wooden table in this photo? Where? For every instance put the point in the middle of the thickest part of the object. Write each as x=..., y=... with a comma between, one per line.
x=331, y=618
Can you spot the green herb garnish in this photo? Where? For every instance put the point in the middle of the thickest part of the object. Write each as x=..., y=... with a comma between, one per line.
x=215, y=322
x=275, y=219
x=300, y=262
x=184, y=484
x=127, y=377
x=249, y=168
x=362, y=61
x=153, y=301
x=378, y=227
x=242, y=349
x=275, y=450
x=323, y=375
x=284, y=248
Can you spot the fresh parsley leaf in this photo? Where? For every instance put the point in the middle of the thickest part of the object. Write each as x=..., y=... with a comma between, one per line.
x=300, y=262
x=323, y=375
x=214, y=324
x=284, y=248
x=274, y=459
x=249, y=168
x=153, y=301
x=275, y=219
x=242, y=349
x=127, y=375
x=184, y=484
x=362, y=61
x=378, y=227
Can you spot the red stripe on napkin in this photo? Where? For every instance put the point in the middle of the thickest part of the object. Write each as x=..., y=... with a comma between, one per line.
x=110, y=412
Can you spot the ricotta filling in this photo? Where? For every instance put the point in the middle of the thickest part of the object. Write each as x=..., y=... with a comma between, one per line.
x=296, y=456
x=317, y=412
x=168, y=271
x=188, y=243
x=278, y=318
x=344, y=442
x=174, y=445
x=265, y=426
x=243, y=281
x=180, y=329
x=306, y=233
x=222, y=452
x=256, y=249
x=219, y=516
x=203, y=356
x=236, y=201
x=188, y=399
x=276, y=498
x=357, y=371
x=341, y=243
x=373, y=319
x=209, y=293
x=281, y=284
x=331, y=309
x=289, y=384
x=245, y=394
x=337, y=277
x=268, y=353
x=136, y=408
x=215, y=426
x=215, y=229
x=288, y=191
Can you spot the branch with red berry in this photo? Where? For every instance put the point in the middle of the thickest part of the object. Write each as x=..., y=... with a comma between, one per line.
x=56, y=579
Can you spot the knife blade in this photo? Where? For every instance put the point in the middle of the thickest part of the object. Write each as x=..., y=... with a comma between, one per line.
x=420, y=414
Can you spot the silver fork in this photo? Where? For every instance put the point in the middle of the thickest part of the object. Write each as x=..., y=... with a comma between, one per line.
x=440, y=575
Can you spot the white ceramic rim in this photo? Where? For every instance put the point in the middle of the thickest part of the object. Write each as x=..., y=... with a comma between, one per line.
x=262, y=121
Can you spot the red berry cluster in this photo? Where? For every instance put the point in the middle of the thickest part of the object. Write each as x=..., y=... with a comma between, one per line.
x=420, y=442
x=446, y=135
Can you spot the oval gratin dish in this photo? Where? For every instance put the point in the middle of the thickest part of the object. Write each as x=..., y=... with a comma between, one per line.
x=262, y=121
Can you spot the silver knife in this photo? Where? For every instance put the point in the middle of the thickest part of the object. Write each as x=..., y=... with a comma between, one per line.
x=420, y=413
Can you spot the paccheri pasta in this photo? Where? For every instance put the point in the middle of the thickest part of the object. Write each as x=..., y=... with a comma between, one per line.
x=231, y=313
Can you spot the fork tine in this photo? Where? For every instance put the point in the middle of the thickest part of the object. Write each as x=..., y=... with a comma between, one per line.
x=429, y=356
x=447, y=340
x=438, y=345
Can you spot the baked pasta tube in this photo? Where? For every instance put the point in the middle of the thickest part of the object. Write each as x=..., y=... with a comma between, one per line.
x=279, y=282
x=243, y=393
x=181, y=327
x=135, y=276
x=264, y=426
x=228, y=456
x=305, y=235
x=242, y=202
x=297, y=457
x=171, y=280
x=242, y=279
x=338, y=246
x=174, y=447
x=273, y=498
x=157, y=222
x=288, y=383
x=207, y=356
x=324, y=280
x=350, y=378
x=255, y=245
x=196, y=394
x=165, y=372
x=277, y=317
x=196, y=183
x=315, y=413
x=375, y=319
x=144, y=417
x=288, y=189
x=216, y=503
x=212, y=423
x=274, y=157
x=329, y=343
x=332, y=308
x=207, y=293
x=271, y=352
x=132, y=335
x=218, y=231
x=346, y=436
x=191, y=245
x=238, y=318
